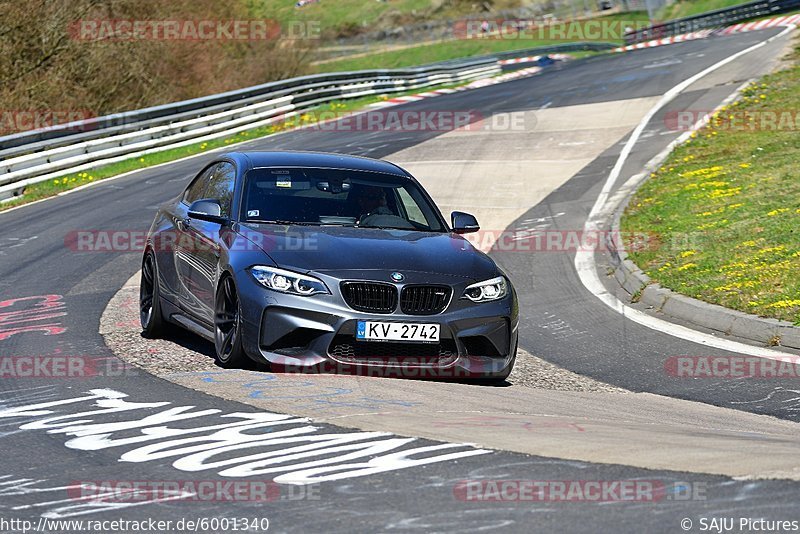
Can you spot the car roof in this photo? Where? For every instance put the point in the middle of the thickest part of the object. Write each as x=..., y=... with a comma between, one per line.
x=253, y=160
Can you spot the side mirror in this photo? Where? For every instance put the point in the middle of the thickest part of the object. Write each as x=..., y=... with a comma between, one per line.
x=464, y=223
x=207, y=210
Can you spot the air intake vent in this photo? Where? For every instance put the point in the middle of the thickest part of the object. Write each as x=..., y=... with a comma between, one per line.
x=346, y=348
x=372, y=297
x=424, y=300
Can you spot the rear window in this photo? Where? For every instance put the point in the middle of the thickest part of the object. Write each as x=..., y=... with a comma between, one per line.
x=337, y=197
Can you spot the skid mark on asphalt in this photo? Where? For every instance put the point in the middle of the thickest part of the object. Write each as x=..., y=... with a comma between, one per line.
x=82, y=498
x=32, y=314
x=789, y=398
x=14, y=242
x=300, y=391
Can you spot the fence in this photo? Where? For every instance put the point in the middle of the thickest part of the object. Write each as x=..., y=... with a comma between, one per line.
x=714, y=19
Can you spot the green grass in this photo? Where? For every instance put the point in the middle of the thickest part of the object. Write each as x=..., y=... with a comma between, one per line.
x=459, y=48
x=687, y=8
x=351, y=16
x=724, y=209
x=344, y=13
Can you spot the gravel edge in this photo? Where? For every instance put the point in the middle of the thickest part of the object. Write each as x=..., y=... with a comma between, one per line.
x=180, y=352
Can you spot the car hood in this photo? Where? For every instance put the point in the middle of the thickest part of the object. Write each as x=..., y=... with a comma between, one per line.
x=336, y=248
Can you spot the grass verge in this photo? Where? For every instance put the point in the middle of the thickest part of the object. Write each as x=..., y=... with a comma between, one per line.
x=460, y=48
x=353, y=16
x=687, y=8
x=724, y=209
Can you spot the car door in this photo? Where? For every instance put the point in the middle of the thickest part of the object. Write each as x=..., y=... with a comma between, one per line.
x=183, y=242
x=206, y=238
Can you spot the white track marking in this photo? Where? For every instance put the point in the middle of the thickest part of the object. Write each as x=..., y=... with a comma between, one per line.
x=584, y=260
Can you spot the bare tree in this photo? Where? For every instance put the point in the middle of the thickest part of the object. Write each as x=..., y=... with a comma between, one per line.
x=45, y=65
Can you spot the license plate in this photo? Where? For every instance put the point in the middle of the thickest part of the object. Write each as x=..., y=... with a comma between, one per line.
x=385, y=331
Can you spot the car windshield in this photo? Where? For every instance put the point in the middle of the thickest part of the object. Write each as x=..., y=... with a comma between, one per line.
x=308, y=196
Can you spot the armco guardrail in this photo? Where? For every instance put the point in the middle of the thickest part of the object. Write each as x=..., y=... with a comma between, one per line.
x=556, y=49
x=36, y=156
x=713, y=19
x=131, y=120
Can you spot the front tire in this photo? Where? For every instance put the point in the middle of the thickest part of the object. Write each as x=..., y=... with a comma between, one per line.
x=229, y=352
x=150, y=299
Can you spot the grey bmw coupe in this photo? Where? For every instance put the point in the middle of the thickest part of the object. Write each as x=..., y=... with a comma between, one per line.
x=309, y=261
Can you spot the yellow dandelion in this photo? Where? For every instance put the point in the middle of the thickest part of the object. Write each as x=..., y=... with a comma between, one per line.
x=773, y=213
x=786, y=303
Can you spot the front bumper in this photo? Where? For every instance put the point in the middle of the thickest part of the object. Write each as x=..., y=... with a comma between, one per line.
x=316, y=334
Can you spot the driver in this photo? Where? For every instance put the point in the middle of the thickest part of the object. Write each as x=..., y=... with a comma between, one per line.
x=372, y=201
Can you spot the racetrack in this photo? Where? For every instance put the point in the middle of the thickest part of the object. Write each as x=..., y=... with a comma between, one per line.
x=545, y=177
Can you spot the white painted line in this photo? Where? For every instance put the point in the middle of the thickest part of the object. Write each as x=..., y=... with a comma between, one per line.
x=584, y=260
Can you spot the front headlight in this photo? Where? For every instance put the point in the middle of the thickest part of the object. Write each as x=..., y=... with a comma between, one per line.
x=288, y=281
x=486, y=291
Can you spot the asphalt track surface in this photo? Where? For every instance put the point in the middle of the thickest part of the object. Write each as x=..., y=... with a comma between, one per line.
x=594, y=341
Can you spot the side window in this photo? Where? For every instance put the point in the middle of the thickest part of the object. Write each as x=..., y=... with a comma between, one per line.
x=221, y=187
x=195, y=191
x=413, y=212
